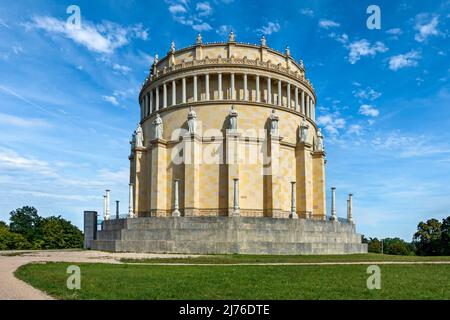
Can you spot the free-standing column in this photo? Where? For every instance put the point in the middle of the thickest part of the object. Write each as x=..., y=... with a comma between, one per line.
x=117, y=210
x=296, y=99
x=258, y=97
x=245, y=88
x=293, y=214
x=174, y=92
x=184, y=89
x=176, y=205
x=288, y=95
x=195, y=88
x=164, y=95
x=151, y=101
x=233, y=93
x=269, y=89
x=235, y=197
x=207, y=87
x=130, y=200
x=280, y=96
x=107, y=211
x=349, y=208
x=333, y=204
x=219, y=86
x=104, y=207
x=157, y=98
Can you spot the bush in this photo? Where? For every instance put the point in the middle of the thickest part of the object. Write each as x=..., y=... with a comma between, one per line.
x=12, y=241
x=397, y=246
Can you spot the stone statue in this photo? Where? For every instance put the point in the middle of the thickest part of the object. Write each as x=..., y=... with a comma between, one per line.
x=319, y=142
x=139, y=137
x=158, y=125
x=199, y=39
x=274, y=118
x=302, y=66
x=263, y=41
x=192, y=121
x=288, y=51
x=133, y=141
x=155, y=61
x=231, y=37
x=172, y=47
x=303, y=131
x=233, y=118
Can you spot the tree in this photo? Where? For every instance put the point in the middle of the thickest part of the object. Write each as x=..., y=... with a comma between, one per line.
x=374, y=245
x=59, y=233
x=26, y=222
x=397, y=246
x=427, y=239
x=445, y=236
x=12, y=241
x=3, y=225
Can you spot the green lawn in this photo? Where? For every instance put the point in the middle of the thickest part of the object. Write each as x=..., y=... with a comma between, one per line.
x=104, y=281
x=239, y=258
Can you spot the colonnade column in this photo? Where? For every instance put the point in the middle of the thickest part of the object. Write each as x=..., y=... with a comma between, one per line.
x=245, y=88
x=288, y=95
x=195, y=88
x=219, y=86
x=296, y=99
x=269, y=89
x=303, y=102
x=207, y=87
x=307, y=106
x=151, y=101
x=164, y=95
x=233, y=93
x=280, y=98
x=184, y=90
x=157, y=98
x=258, y=97
x=174, y=93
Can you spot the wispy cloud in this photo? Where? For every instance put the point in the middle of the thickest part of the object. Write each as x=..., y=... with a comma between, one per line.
x=369, y=110
x=7, y=119
x=101, y=38
x=269, y=28
x=331, y=122
x=426, y=27
x=111, y=99
x=363, y=48
x=193, y=17
x=307, y=12
x=327, y=24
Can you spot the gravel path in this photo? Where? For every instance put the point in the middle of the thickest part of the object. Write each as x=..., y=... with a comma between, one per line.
x=12, y=288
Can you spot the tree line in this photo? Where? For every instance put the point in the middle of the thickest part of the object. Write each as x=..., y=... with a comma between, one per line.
x=431, y=239
x=28, y=230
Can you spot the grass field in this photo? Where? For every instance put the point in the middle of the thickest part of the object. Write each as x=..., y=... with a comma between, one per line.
x=239, y=258
x=105, y=281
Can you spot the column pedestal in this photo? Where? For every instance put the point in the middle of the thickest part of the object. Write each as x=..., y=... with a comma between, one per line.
x=192, y=156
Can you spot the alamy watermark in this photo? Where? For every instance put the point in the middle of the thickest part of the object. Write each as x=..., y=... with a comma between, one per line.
x=374, y=280
x=74, y=20
x=74, y=280
x=374, y=20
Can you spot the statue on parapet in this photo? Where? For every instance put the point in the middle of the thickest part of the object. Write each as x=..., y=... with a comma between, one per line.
x=319, y=141
x=139, y=137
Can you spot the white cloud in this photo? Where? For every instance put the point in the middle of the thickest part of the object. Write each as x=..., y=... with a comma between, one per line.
x=120, y=68
x=111, y=99
x=203, y=9
x=177, y=8
x=223, y=30
x=400, y=61
x=270, y=28
x=394, y=31
x=424, y=29
x=355, y=129
x=11, y=160
x=363, y=48
x=202, y=27
x=307, y=12
x=369, y=110
x=101, y=38
x=331, y=123
x=366, y=94
x=327, y=24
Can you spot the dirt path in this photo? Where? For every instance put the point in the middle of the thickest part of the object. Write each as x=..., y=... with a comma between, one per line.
x=12, y=288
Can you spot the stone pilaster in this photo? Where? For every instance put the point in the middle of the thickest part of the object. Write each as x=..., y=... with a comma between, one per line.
x=158, y=195
x=141, y=182
x=232, y=143
x=319, y=200
x=192, y=157
x=275, y=176
x=304, y=170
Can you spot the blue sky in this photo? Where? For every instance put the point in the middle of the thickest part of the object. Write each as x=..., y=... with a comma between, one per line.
x=68, y=100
